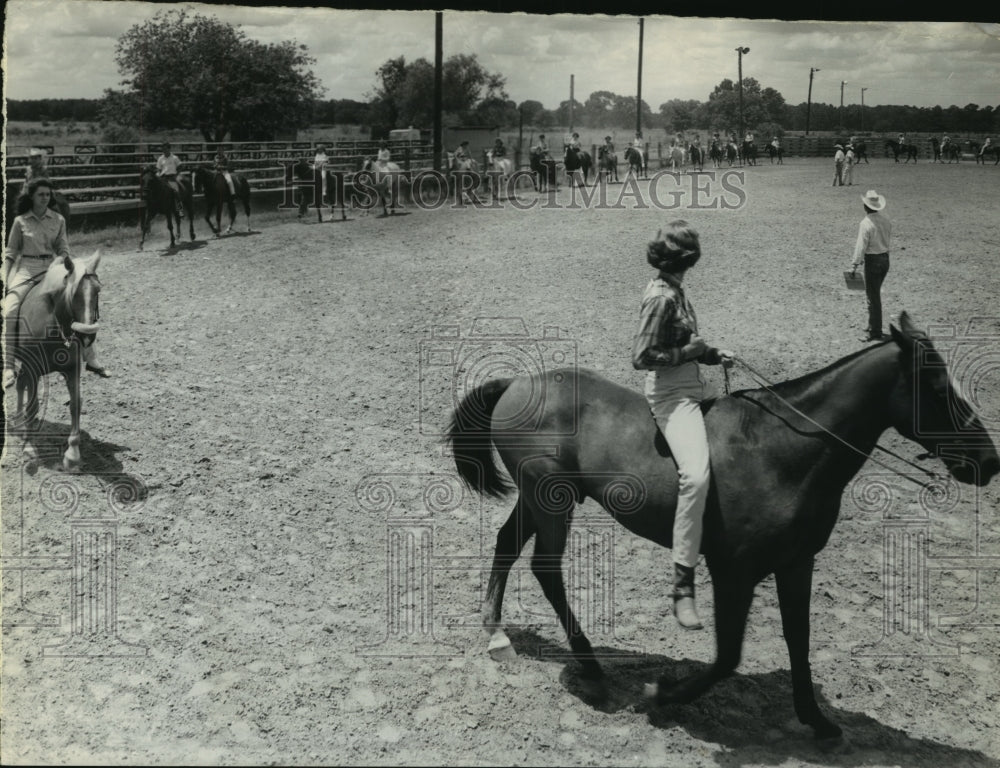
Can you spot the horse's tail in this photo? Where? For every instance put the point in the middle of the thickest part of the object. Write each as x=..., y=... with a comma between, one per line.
x=470, y=438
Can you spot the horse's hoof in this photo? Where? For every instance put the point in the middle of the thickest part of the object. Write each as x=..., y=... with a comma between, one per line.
x=73, y=467
x=835, y=745
x=500, y=648
x=594, y=689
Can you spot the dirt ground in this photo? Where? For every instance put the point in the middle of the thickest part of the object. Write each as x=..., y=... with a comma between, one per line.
x=275, y=563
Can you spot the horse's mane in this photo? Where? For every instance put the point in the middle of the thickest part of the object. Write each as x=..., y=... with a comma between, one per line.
x=802, y=385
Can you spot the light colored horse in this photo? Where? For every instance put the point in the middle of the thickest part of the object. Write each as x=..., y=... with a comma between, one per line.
x=675, y=157
x=502, y=169
x=385, y=180
x=56, y=319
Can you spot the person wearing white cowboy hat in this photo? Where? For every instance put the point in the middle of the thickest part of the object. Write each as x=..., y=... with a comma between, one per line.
x=849, y=164
x=872, y=247
x=838, y=165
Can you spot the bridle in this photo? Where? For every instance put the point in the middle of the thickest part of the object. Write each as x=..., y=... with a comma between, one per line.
x=78, y=329
x=768, y=386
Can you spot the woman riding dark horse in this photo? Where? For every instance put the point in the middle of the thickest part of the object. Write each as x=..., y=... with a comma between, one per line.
x=607, y=160
x=634, y=159
x=577, y=160
x=220, y=185
x=159, y=197
x=782, y=457
x=897, y=149
x=697, y=155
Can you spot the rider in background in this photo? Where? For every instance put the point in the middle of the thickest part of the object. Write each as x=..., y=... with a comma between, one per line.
x=222, y=166
x=499, y=150
x=319, y=164
x=986, y=145
x=168, y=165
x=383, y=157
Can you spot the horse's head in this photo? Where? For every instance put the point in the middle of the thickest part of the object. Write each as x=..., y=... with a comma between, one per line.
x=927, y=408
x=79, y=296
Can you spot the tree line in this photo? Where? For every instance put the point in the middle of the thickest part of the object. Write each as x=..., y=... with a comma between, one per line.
x=230, y=87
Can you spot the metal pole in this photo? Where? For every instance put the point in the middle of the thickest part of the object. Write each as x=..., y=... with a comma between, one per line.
x=571, y=103
x=842, y=84
x=638, y=88
x=863, y=109
x=809, y=101
x=739, y=58
x=438, y=67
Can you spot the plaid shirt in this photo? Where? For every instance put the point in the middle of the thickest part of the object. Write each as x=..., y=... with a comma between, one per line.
x=666, y=324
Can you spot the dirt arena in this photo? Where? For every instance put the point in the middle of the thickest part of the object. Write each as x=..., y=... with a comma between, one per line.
x=288, y=571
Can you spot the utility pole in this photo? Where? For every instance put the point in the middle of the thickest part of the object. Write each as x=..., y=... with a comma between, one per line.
x=571, y=103
x=438, y=57
x=842, y=84
x=739, y=63
x=638, y=89
x=863, y=109
x=809, y=100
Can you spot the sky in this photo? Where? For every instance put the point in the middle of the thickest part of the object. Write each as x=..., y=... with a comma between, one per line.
x=898, y=62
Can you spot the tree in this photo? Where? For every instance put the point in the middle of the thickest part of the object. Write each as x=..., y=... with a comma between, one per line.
x=404, y=94
x=533, y=112
x=681, y=115
x=231, y=84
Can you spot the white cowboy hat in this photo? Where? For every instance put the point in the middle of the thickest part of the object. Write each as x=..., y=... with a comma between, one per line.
x=873, y=200
x=36, y=152
x=838, y=146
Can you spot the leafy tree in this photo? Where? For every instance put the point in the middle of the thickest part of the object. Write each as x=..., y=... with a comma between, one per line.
x=404, y=93
x=533, y=112
x=681, y=114
x=230, y=83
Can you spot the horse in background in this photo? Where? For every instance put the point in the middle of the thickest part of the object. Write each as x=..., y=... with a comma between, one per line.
x=459, y=169
x=860, y=152
x=715, y=152
x=775, y=152
x=159, y=197
x=577, y=161
x=543, y=168
x=697, y=156
x=304, y=171
x=378, y=186
x=897, y=149
x=993, y=149
x=675, y=157
x=636, y=163
x=732, y=152
x=607, y=162
x=216, y=190
x=778, y=477
x=57, y=318
x=499, y=171
x=750, y=152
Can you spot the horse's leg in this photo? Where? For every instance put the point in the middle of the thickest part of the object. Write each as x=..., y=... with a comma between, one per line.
x=71, y=458
x=794, y=591
x=733, y=593
x=510, y=541
x=170, y=225
x=546, y=564
x=189, y=205
x=231, y=203
x=27, y=384
x=246, y=207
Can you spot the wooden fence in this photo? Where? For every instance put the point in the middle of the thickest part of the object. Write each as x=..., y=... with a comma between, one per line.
x=105, y=178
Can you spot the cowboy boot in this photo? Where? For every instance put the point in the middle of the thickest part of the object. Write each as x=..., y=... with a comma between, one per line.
x=684, y=606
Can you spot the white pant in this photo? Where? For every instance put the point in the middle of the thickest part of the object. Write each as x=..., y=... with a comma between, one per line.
x=674, y=396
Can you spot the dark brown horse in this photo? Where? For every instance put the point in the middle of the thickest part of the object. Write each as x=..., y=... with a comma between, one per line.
x=607, y=162
x=577, y=161
x=781, y=459
x=159, y=197
x=897, y=149
x=993, y=149
x=216, y=190
x=57, y=318
x=635, y=162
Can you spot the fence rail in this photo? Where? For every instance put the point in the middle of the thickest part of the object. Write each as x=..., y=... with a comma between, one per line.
x=105, y=178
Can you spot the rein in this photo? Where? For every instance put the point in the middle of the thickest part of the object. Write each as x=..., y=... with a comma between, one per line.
x=767, y=385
